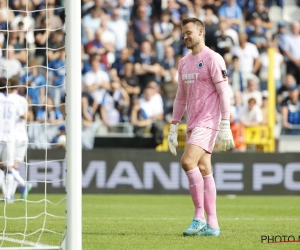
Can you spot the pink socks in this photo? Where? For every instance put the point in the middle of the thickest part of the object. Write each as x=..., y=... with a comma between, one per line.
x=210, y=194
x=196, y=186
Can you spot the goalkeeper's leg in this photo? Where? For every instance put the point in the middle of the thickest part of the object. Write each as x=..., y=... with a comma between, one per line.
x=189, y=162
x=210, y=194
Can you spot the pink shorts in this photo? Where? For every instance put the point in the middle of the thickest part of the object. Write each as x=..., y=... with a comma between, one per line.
x=202, y=137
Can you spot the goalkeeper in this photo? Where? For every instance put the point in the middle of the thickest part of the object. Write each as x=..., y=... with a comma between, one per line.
x=204, y=93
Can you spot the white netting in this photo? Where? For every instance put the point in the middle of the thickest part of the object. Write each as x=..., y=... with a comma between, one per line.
x=32, y=40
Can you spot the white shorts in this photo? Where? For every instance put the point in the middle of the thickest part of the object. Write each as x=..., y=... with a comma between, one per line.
x=7, y=152
x=20, y=150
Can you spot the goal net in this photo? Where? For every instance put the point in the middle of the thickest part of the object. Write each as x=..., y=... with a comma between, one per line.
x=34, y=208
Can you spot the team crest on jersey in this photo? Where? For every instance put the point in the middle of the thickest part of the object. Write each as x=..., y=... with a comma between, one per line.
x=200, y=64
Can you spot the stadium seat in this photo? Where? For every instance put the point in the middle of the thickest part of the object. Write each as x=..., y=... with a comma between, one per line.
x=291, y=13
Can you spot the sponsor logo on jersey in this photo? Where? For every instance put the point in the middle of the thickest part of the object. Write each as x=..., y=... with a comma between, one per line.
x=189, y=78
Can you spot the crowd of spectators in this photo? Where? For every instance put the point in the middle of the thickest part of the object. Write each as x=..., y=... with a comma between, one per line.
x=130, y=54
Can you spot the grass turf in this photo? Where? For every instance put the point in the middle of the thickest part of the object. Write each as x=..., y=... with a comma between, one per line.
x=157, y=221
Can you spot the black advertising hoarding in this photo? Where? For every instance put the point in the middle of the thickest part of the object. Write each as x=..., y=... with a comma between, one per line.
x=143, y=171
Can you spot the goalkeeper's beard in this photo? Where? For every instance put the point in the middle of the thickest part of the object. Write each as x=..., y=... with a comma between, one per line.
x=193, y=45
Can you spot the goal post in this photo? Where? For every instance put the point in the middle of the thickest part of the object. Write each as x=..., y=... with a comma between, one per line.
x=73, y=124
x=45, y=221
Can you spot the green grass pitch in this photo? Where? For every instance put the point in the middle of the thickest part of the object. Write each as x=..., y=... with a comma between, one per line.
x=133, y=222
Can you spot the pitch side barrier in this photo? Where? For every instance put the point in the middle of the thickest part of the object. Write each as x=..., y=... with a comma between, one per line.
x=134, y=171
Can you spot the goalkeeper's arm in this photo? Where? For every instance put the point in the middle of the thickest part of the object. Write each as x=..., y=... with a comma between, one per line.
x=224, y=140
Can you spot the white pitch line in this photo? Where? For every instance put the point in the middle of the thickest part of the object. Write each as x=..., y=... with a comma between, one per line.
x=137, y=218
x=25, y=242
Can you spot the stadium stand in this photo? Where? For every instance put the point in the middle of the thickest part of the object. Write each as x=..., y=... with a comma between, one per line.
x=128, y=43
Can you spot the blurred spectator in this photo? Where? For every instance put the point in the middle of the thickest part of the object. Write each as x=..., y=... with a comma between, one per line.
x=264, y=107
x=9, y=65
x=96, y=81
x=210, y=28
x=247, y=54
x=175, y=41
x=87, y=110
x=30, y=114
x=251, y=116
x=196, y=10
x=120, y=29
x=27, y=21
x=168, y=92
x=97, y=47
x=130, y=81
x=118, y=65
x=282, y=92
x=151, y=102
x=114, y=106
x=90, y=23
x=264, y=69
x=148, y=7
x=291, y=50
x=7, y=15
x=141, y=28
x=213, y=4
x=270, y=3
x=41, y=35
x=162, y=30
x=57, y=72
x=252, y=90
x=236, y=77
x=146, y=65
x=17, y=39
x=108, y=40
x=260, y=10
x=124, y=11
x=232, y=13
x=86, y=63
x=237, y=128
x=237, y=107
x=290, y=112
x=257, y=34
x=56, y=41
x=49, y=113
x=228, y=32
x=138, y=118
x=168, y=62
x=35, y=83
x=174, y=8
x=223, y=42
x=281, y=33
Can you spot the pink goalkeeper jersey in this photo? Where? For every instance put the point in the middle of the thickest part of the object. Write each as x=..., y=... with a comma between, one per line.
x=202, y=82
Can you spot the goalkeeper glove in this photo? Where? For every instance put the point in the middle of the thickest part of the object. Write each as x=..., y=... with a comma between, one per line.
x=224, y=139
x=172, y=138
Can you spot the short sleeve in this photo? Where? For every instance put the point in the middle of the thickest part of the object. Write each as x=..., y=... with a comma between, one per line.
x=286, y=43
x=42, y=80
x=218, y=69
x=23, y=79
x=89, y=79
x=40, y=114
x=254, y=50
x=221, y=12
x=58, y=114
